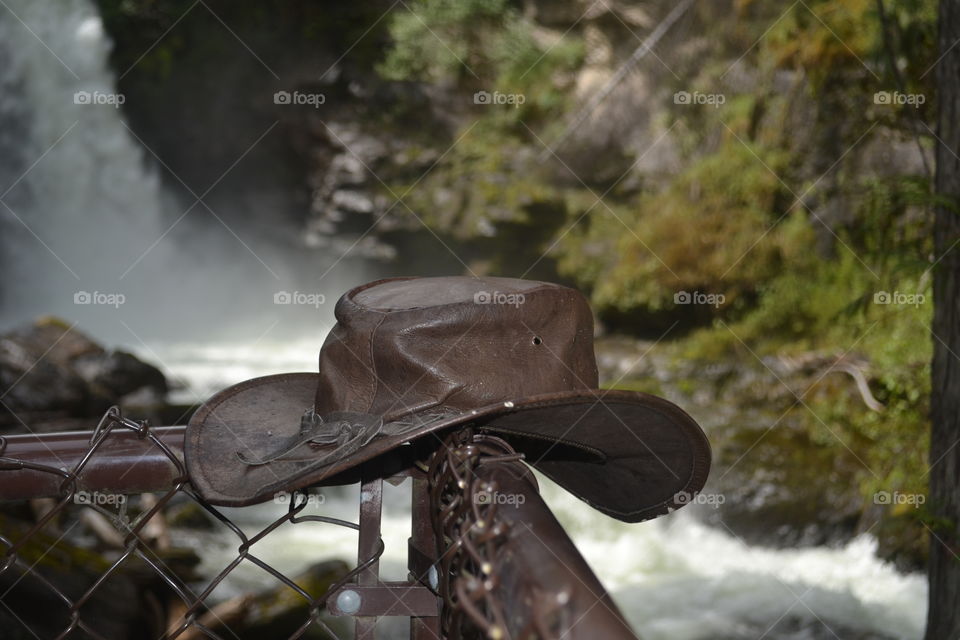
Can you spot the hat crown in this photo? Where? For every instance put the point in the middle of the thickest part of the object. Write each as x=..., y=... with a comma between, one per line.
x=454, y=343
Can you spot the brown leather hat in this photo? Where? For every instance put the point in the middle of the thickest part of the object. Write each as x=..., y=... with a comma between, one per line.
x=412, y=357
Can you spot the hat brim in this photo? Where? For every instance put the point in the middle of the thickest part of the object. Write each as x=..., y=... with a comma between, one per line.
x=630, y=455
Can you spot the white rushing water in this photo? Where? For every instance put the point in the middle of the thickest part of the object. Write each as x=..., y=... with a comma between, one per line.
x=675, y=578
x=84, y=206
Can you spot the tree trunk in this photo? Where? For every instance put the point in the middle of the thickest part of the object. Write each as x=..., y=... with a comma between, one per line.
x=943, y=619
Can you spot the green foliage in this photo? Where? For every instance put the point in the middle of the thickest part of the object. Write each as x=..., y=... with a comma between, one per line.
x=482, y=45
x=893, y=222
x=439, y=40
x=825, y=35
x=848, y=38
x=486, y=182
x=705, y=232
x=132, y=22
x=809, y=306
x=829, y=307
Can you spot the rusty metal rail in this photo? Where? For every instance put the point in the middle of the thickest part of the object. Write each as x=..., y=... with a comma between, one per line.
x=486, y=557
x=127, y=462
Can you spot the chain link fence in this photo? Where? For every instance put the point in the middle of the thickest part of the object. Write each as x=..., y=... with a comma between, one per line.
x=50, y=568
x=96, y=557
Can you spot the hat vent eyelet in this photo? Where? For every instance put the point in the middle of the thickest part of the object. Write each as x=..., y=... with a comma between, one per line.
x=537, y=340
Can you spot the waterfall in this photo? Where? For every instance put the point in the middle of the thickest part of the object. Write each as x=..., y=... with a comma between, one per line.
x=88, y=232
x=78, y=197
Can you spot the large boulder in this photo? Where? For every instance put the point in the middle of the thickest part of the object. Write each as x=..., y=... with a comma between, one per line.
x=50, y=372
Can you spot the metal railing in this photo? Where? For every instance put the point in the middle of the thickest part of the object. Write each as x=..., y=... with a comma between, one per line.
x=486, y=557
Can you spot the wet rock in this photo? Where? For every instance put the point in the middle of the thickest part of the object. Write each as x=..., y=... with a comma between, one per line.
x=40, y=387
x=51, y=372
x=118, y=374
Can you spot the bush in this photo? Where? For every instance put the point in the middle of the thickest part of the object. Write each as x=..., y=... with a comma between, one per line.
x=714, y=229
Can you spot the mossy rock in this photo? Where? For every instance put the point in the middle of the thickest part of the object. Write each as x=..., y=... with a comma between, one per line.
x=782, y=488
x=190, y=515
x=902, y=538
x=125, y=605
x=281, y=611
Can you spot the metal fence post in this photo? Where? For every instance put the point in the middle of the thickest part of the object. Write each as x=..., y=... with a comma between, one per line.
x=371, y=503
x=544, y=583
x=420, y=556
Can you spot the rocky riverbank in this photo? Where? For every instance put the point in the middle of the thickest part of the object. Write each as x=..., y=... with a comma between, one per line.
x=781, y=476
